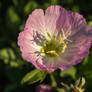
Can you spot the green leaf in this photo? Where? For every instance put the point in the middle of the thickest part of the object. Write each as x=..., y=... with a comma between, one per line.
x=85, y=68
x=71, y=72
x=30, y=6
x=9, y=57
x=44, y=74
x=7, y=54
x=76, y=8
x=90, y=23
x=60, y=90
x=13, y=19
x=32, y=77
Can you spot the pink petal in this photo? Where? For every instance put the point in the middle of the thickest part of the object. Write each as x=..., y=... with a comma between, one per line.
x=52, y=16
x=76, y=21
x=26, y=42
x=36, y=21
x=36, y=61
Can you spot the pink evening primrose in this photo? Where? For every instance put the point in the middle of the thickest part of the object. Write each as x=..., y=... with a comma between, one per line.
x=55, y=39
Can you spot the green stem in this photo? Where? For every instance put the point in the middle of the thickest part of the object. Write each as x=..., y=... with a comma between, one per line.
x=53, y=82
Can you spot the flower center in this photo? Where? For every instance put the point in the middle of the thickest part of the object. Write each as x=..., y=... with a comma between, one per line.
x=54, y=46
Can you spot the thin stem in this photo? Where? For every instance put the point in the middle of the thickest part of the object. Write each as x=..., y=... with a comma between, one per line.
x=53, y=81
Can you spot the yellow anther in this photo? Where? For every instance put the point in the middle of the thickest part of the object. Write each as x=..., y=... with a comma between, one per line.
x=42, y=50
x=60, y=39
x=52, y=52
x=64, y=47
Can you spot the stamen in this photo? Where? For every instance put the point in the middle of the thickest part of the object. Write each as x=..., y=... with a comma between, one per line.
x=67, y=35
x=60, y=39
x=64, y=47
x=42, y=52
x=48, y=34
x=68, y=40
x=64, y=37
x=55, y=45
x=53, y=52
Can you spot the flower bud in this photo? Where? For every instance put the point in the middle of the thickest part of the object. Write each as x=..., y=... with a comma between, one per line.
x=78, y=87
x=43, y=88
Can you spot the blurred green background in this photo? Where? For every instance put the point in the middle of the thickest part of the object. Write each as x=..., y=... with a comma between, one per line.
x=13, y=14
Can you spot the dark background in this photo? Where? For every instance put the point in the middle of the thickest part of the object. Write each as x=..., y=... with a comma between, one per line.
x=13, y=14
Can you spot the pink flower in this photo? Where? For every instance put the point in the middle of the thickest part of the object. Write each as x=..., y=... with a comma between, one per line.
x=55, y=39
x=43, y=88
